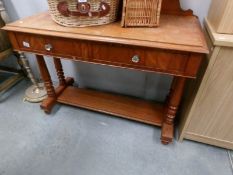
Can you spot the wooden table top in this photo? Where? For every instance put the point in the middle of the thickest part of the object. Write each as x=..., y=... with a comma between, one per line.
x=175, y=32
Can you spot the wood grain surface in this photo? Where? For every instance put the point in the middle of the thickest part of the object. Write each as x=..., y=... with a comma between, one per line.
x=150, y=59
x=122, y=106
x=174, y=32
x=218, y=39
x=220, y=16
x=208, y=119
x=212, y=111
x=175, y=48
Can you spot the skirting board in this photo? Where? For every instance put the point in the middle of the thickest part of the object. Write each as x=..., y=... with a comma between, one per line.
x=208, y=140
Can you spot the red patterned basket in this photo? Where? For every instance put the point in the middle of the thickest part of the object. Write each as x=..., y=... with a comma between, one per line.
x=81, y=13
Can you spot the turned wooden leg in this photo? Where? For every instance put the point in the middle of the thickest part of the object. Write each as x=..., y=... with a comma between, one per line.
x=171, y=91
x=48, y=103
x=60, y=73
x=63, y=83
x=171, y=110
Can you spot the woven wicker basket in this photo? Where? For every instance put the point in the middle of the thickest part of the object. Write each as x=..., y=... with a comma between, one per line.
x=141, y=13
x=81, y=13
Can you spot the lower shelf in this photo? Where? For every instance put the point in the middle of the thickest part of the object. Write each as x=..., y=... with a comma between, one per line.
x=122, y=106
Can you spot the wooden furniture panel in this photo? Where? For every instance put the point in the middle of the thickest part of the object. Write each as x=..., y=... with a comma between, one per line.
x=175, y=48
x=118, y=53
x=166, y=60
x=209, y=118
x=28, y=42
x=37, y=43
x=220, y=16
x=174, y=8
x=60, y=46
x=83, y=50
x=175, y=32
x=156, y=60
x=213, y=113
x=218, y=39
x=148, y=112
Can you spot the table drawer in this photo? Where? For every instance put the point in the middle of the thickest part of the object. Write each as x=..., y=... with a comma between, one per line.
x=139, y=57
x=118, y=54
x=54, y=46
x=166, y=60
x=143, y=58
x=30, y=42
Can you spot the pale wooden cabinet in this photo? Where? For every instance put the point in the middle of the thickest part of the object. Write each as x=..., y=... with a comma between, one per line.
x=220, y=16
x=209, y=114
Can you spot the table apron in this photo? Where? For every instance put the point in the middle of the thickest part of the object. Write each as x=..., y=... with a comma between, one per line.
x=177, y=63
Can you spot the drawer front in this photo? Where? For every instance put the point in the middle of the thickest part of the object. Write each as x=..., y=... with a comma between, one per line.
x=118, y=54
x=45, y=45
x=164, y=60
x=138, y=57
x=148, y=59
x=30, y=42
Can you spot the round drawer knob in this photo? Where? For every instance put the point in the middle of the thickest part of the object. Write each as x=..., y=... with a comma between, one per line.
x=135, y=59
x=48, y=47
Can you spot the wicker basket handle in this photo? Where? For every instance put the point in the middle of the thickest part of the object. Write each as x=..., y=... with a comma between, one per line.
x=83, y=9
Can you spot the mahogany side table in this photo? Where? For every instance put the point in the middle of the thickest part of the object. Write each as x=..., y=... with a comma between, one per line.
x=175, y=48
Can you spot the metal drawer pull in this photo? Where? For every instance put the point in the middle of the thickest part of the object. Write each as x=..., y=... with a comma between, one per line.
x=26, y=44
x=135, y=59
x=48, y=47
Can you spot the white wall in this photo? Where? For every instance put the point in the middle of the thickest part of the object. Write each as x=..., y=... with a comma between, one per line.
x=199, y=7
x=141, y=84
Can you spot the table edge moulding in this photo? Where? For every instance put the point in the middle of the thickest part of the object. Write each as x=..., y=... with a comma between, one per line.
x=175, y=48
